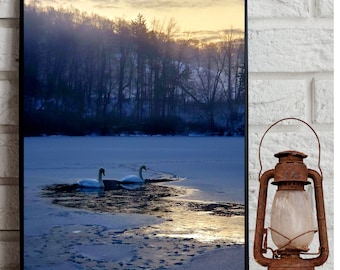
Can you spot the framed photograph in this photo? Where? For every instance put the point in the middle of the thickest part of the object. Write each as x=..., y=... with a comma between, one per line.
x=134, y=117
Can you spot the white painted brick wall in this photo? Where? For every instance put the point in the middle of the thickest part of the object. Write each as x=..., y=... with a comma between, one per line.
x=290, y=51
x=278, y=9
x=322, y=107
x=9, y=138
x=290, y=75
x=293, y=48
x=9, y=9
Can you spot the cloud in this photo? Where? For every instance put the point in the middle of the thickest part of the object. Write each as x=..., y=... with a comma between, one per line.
x=209, y=35
x=166, y=4
x=39, y=2
x=106, y=4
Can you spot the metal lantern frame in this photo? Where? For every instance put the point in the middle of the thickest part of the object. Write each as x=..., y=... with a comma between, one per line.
x=298, y=174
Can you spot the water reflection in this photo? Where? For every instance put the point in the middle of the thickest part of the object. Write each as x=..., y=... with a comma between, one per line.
x=221, y=222
x=201, y=226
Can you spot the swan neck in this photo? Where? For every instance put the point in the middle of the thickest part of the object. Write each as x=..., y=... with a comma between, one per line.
x=140, y=173
x=100, y=177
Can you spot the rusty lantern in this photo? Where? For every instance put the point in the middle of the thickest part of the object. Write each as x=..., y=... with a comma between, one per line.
x=291, y=219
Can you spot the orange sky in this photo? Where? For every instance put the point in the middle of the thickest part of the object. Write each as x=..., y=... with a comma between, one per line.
x=190, y=15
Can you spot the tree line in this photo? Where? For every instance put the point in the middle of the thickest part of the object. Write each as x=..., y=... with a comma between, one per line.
x=86, y=74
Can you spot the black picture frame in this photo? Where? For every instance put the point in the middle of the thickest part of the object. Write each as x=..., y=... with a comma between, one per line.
x=34, y=125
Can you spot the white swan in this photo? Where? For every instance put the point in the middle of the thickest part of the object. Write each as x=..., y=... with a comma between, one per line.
x=93, y=183
x=134, y=178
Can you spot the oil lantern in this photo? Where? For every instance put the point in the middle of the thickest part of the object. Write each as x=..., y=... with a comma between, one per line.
x=291, y=216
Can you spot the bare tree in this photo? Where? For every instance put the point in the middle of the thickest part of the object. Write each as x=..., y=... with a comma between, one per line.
x=205, y=85
x=233, y=86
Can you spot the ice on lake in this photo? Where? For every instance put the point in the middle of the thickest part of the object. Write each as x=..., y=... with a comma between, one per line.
x=211, y=168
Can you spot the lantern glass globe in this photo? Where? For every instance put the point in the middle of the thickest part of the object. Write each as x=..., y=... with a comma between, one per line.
x=292, y=225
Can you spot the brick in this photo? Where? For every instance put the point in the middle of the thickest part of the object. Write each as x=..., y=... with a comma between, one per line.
x=9, y=104
x=9, y=208
x=325, y=8
x=323, y=101
x=9, y=49
x=291, y=49
x=9, y=255
x=327, y=153
x=253, y=193
x=328, y=192
x=253, y=148
x=271, y=100
x=9, y=149
x=279, y=9
x=9, y=8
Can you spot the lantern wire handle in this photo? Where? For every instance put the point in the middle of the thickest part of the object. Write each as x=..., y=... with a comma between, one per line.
x=283, y=119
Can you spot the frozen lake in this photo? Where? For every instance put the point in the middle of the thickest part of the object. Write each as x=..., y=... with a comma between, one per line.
x=212, y=168
x=212, y=165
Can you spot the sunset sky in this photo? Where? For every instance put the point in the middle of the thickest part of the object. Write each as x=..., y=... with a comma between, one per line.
x=195, y=16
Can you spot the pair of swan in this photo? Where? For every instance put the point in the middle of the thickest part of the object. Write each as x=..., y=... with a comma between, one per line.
x=99, y=183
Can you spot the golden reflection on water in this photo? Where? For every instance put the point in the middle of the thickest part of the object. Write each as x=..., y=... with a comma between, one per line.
x=202, y=226
x=183, y=216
